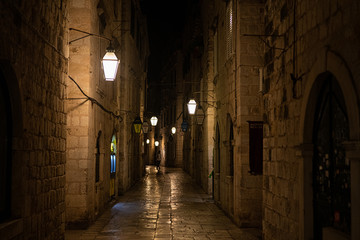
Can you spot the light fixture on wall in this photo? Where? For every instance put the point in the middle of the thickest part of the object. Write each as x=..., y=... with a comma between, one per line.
x=200, y=116
x=145, y=126
x=192, y=106
x=154, y=121
x=173, y=130
x=156, y=143
x=110, y=62
x=147, y=141
x=137, y=124
x=184, y=126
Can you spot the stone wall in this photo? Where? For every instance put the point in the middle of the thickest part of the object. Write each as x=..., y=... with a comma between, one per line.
x=34, y=64
x=322, y=37
x=249, y=62
x=110, y=110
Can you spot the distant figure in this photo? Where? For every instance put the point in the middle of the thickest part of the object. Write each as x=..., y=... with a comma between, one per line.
x=158, y=160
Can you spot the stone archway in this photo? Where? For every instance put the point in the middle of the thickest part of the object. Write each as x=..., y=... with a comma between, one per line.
x=331, y=169
x=15, y=182
x=217, y=165
x=331, y=65
x=229, y=167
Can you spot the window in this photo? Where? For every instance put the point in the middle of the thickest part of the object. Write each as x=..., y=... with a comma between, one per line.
x=102, y=17
x=215, y=53
x=97, y=158
x=113, y=156
x=229, y=29
x=112, y=166
x=132, y=21
x=5, y=150
x=231, y=149
x=256, y=147
x=113, y=163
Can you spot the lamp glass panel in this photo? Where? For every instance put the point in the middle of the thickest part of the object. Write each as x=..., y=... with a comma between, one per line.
x=137, y=127
x=110, y=65
x=154, y=121
x=200, y=116
x=145, y=127
x=192, y=106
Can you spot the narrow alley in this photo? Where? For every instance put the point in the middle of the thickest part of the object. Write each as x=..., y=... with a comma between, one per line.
x=250, y=107
x=164, y=205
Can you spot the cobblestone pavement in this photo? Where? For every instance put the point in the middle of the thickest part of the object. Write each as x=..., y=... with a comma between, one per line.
x=164, y=205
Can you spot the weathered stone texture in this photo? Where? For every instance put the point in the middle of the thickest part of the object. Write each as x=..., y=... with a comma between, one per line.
x=319, y=25
x=32, y=40
x=90, y=129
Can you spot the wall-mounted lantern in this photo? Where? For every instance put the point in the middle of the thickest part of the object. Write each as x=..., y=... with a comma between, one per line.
x=147, y=141
x=191, y=106
x=145, y=127
x=184, y=126
x=137, y=124
x=156, y=143
x=153, y=121
x=200, y=116
x=110, y=64
x=173, y=130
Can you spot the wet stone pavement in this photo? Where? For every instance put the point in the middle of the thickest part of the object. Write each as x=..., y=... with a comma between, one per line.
x=164, y=205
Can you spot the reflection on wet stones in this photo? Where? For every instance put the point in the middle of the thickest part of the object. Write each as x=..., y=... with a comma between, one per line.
x=164, y=205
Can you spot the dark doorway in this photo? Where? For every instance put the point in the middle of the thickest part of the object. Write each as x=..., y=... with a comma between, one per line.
x=217, y=168
x=231, y=148
x=331, y=169
x=5, y=150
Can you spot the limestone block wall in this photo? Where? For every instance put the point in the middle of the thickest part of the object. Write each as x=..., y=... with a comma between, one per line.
x=133, y=69
x=249, y=62
x=223, y=86
x=79, y=198
x=34, y=66
x=207, y=101
x=322, y=37
x=90, y=129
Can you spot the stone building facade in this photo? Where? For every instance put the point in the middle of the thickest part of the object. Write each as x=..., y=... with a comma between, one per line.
x=171, y=115
x=33, y=70
x=67, y=136
x=278, y=81
x=311, y=120
x=103, y=152
x=220, y=70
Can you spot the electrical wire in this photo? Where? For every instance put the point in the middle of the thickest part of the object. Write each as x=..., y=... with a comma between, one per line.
x=94, y=101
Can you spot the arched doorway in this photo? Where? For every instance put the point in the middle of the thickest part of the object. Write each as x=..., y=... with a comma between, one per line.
x=331, y=169
x=231, y=147
x=217, y=165
x=345, y=91
x=5, y=150
x=229, y=180
x=12, y=179
x=112, y=166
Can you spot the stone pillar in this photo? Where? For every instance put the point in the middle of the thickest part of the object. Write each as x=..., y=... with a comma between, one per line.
x=353, y=154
